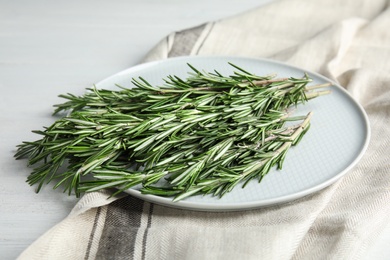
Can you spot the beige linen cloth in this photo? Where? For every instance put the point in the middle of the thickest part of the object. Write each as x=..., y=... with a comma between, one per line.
x=347, y=41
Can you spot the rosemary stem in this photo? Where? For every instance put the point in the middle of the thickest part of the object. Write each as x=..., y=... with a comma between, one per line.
x=311, y=95
x=268, y=81
x=324, y=85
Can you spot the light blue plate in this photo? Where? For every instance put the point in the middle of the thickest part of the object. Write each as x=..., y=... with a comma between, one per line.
x=337, y=139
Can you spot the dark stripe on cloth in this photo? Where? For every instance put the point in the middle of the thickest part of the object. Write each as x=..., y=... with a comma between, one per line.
x=185, y=40
x=145, y=237
x=122, y=223
x=92, y=235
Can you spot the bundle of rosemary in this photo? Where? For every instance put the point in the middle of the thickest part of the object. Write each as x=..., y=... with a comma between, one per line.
x=202, y=135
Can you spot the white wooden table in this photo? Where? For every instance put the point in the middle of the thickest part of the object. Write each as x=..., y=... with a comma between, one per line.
x=51, y=47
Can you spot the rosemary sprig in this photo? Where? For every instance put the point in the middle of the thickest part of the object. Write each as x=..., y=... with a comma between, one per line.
x=201, y=135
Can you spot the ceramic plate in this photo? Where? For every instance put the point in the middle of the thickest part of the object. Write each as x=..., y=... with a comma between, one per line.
x=337, y=139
